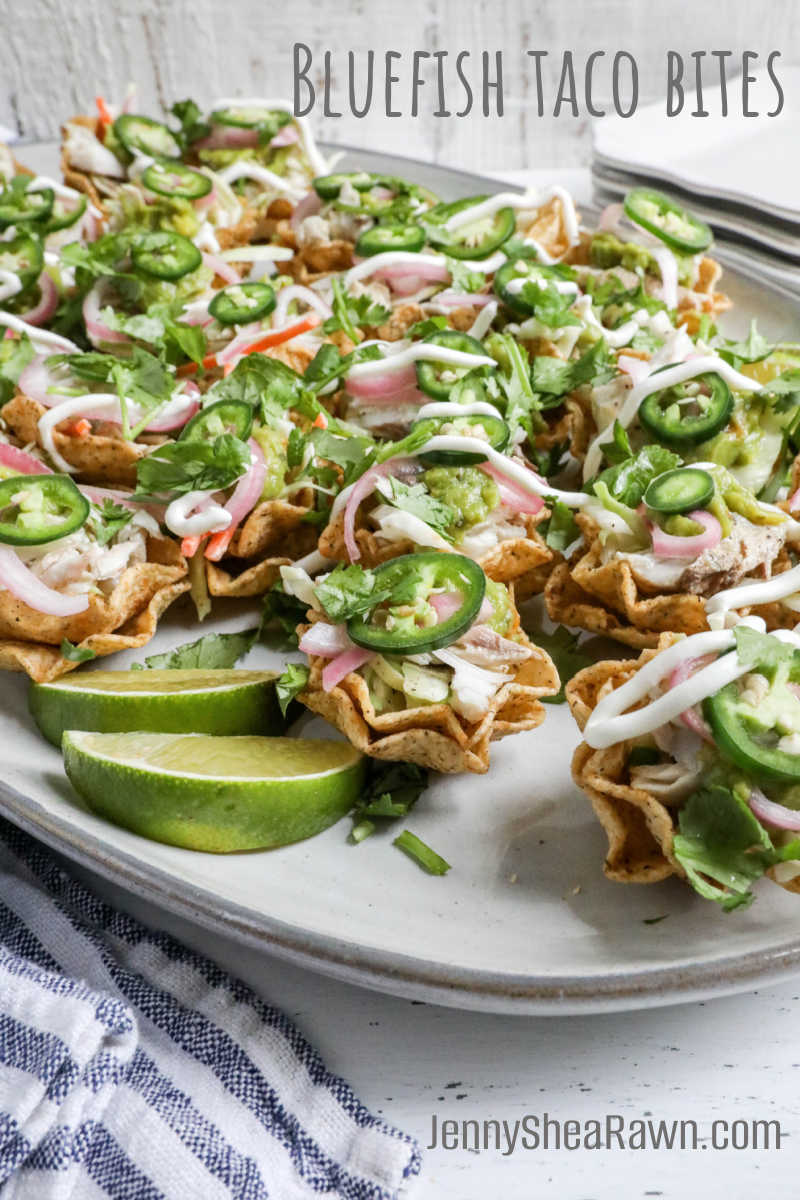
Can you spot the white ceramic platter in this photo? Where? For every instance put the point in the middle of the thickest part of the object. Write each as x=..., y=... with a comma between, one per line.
x=524, y=922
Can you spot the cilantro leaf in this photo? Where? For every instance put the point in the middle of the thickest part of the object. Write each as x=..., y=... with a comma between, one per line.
x=351, y=311
x=15, y=354
x=558, y=377
x=329, y=364
x=193, y=127
x=722, y=846
x=288, y=685
x=618, y=450
x=76, y=654
x=349, y=590
x=754, y=347
x=214, y=652
x=280, y=617
x=416, y=499
x=421, y=329
x=462, y=279
x=629, y=479
x=390, y=791
x=179, y=467
x=550, y=306
x=108, y=519
x=568, y=658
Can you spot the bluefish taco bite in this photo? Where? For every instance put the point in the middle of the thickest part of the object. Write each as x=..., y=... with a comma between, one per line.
x=421, y=660
x=691, y=758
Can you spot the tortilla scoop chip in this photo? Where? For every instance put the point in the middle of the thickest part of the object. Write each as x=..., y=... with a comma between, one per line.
x=605, y=598
x=275, y=525
x=549, y=228
x=252, y=581
x=639, y=827
x=433, y=735
x=514, y=560
x=30, y=641
x=136, y=587
x=97, y=458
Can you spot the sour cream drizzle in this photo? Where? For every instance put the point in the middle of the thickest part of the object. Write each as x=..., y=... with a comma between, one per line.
x=253, y=170
x=521, y=475
x=210, y=517
x=680, y=373
x=610, y=723
x=419, y=352
x=519, y=201
x=38, y=335
x=391, y=258
x=445, y=408
x=763, y=591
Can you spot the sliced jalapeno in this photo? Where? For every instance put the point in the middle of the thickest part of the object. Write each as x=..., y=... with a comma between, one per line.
x=391, y=236
x=165, y=255
x=688, y=413
x=680, y=491
x=18, y=207
x=173, y=179
x=241, y=303
x=671, y=222
x=35, y=509
x=526, y=269
x=247, y=116
x=66, y=213
x=478, y=239
x=463, y=424
x=225, y=416
x=422, y=574
x=429, y=374
x=24, y=257
x=746, y=740
x=144, y=136
x=328, y=187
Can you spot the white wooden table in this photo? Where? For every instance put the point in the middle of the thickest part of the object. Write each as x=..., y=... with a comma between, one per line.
x=735, y=1059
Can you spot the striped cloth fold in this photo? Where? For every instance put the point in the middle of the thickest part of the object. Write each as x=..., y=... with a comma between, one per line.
x=133, y=1068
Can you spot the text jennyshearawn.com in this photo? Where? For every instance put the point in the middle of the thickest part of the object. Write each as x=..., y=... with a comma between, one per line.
x=611, y=1131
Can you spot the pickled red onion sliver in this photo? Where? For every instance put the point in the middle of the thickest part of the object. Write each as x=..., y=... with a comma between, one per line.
x=228, y=137
x=394, y=379
x=246, y=496
x=48, y=302
x=18, y=579
x=407, y=396
x=305, y=295
x=511, y=494
x=637, y=368
x=309, y=206
x=36, y=381
x=446, y=604
x=361, y=489
x=205, y=202
x=97, y=330
x=18, y=460
x=324, y=640
x=610, y=217
x=691, y=717
x=338, y=668
x=405, y=278
x=667, y=545
x=176, y=419
x=774, y=814
x=221, y=268
x=285, y=137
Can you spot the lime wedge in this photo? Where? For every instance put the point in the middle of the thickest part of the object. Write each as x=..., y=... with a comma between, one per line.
x=214, y=793
x=192, y=701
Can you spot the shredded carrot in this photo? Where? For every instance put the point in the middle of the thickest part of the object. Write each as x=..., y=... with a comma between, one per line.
x=80, y=428
x=320, y=421
x=102, y=108
x=274, y=338
x=218, y=543
x=191, y=544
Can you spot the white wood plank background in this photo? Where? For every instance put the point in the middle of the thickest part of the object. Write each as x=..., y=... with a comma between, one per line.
x=56, y=54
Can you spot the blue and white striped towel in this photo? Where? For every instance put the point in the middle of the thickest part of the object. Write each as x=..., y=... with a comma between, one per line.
x=132, y=1068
